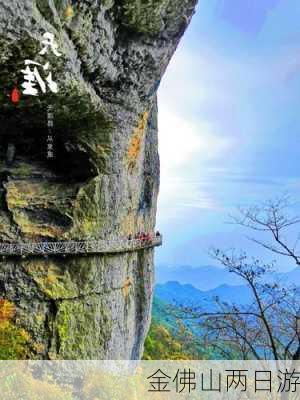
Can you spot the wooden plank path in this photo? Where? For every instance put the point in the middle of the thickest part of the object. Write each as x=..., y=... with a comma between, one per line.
x=78, y=247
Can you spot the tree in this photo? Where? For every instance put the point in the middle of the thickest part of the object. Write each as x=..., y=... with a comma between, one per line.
x=272, y=218
x=163, y=344
x=268, y=328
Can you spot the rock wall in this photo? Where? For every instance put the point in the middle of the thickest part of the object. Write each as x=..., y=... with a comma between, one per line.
x=104, y=179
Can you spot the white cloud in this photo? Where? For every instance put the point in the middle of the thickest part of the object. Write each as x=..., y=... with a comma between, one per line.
x=181, y=141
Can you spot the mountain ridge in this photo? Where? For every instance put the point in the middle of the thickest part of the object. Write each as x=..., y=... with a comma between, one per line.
x=175, y=293
x=210, y=277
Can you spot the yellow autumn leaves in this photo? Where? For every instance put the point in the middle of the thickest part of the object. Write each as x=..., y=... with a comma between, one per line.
x=14, y=341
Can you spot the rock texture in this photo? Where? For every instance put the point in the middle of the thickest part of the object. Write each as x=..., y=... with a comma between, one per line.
x=104, y=179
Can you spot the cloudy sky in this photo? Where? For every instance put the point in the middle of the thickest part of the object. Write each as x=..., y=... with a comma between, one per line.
x=229, y=123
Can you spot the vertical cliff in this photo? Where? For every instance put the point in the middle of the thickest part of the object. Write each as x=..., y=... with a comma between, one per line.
x=103, y=181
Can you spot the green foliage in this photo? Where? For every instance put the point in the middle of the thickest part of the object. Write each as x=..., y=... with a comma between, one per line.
x=18, y=382
x=145, y=16
x=15, y=342
x=171, y=339
x=163, y=344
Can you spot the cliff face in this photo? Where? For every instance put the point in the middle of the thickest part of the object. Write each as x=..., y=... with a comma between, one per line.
x=103, y=180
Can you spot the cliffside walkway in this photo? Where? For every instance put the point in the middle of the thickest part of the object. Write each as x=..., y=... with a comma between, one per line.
x=80, y=247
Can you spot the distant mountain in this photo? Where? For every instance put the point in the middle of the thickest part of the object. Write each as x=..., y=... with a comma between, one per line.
x=187, y=295
x=175, y=293
x=289, y=278
x=210, y=277
x=231, y=294
x=170, y=297
x=203, y=278
x=161, y=314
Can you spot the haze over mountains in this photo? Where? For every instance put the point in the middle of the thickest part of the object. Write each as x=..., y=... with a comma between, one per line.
x=199, y=289
x=211, y=277
x=187, y=295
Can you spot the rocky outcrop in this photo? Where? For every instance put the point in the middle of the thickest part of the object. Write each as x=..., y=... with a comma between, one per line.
x=104, y=179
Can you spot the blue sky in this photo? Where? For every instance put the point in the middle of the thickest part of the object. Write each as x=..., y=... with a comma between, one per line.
x=228, y=124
